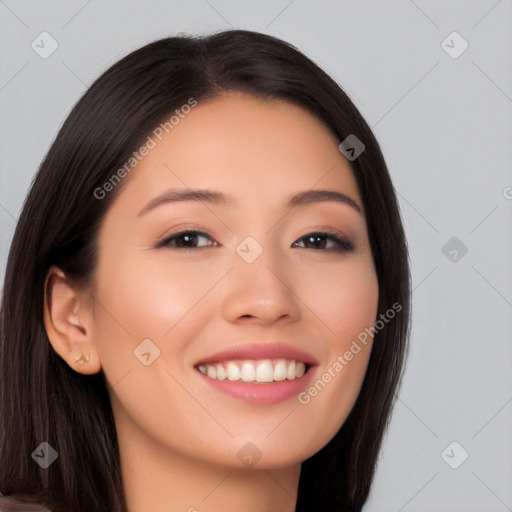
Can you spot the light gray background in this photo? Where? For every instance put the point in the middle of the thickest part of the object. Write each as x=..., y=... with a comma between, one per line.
x=445, y=126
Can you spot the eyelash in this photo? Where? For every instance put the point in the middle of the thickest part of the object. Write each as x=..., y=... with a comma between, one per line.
x=344, y=245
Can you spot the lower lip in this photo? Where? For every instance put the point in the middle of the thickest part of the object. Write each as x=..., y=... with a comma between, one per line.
x=266, y=393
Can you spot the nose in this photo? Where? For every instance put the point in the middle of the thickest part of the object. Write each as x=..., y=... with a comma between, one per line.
x=261, y=292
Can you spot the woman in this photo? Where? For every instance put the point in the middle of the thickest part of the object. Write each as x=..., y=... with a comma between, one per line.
x=206, y=301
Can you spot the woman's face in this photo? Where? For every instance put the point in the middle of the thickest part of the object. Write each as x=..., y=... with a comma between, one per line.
x=258, y=281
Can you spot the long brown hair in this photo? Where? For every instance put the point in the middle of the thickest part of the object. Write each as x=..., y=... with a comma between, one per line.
x=42, y=399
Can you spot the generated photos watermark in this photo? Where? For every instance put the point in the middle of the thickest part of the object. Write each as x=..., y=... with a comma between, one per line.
x=343, y=360
x=144, y=150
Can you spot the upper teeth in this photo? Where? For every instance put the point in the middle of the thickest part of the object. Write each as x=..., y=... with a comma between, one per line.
x=265, y=370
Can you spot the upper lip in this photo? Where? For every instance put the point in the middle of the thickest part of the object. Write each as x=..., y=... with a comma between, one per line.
x=255, y=351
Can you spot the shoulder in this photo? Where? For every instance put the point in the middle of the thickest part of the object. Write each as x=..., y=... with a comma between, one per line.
x=11, y=504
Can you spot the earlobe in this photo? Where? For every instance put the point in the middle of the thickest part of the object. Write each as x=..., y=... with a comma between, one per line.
x=68, y=322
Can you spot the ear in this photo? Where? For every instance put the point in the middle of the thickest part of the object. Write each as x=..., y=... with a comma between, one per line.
x=68, y=321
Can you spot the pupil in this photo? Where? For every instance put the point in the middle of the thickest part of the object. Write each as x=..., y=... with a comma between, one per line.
x=315, y=239
x=189, y=240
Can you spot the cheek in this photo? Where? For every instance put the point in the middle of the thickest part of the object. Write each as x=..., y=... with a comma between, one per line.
x=150, y=295
x=346, y=302
x=165, y=304
x=344, y=297
x=148, y=298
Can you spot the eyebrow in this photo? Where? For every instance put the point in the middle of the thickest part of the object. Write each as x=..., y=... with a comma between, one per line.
x=221, y=198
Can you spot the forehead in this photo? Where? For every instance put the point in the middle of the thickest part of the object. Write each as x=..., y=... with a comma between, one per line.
x=251, y=148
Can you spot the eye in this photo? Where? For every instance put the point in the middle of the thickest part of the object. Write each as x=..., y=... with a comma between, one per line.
x=321, y=239
x=318, y=240
x=186, y=240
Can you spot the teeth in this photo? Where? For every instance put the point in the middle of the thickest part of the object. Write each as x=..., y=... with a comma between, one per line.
x=264, y=370
x=232, y=372
x=280, y=371
x=290, y=373
x=248, y=372
x=221, y=373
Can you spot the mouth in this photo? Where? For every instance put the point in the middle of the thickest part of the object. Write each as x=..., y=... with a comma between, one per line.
x=264, y=374
x=258, y=371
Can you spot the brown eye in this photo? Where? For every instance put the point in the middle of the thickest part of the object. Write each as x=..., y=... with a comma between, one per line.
x=320, y=240
x=186, y=240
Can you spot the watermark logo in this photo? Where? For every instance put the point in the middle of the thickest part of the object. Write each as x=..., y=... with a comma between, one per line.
x=146, y=352
x=454, y=45
x=249, y=455
x=351, y=147
x=454, y=455
x=454, y=249
x=45, y=455
x=44, y=45
x=249, y=249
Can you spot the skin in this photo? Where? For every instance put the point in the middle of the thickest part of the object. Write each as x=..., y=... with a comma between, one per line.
x=178, y=436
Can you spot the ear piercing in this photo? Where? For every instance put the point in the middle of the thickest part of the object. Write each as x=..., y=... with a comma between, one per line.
x=81, y=361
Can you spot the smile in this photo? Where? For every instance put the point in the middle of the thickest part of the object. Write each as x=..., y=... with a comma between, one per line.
x=259, y=371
